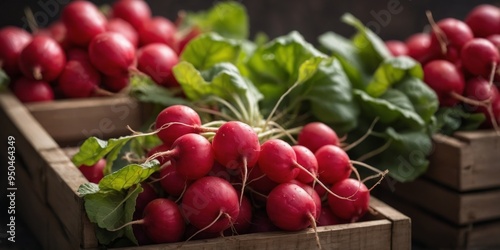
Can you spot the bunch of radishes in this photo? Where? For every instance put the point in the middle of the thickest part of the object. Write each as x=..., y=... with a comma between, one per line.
x=461, y=60
x=226, y=178
x=87, y=53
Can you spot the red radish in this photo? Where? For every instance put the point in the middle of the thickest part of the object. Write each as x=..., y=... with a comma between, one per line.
x=444, y=78
x=175, y=121
x=172, y=182
x=314, y=195
x=140, y=235
x=147, y=195
x=79, y=79
x=314, y=135
x=211, y=204
x=12, y=42
x=495, y=108
x=42, y=59
x=135, y=12
x=290, y=207
x=58, y=32
x=163, y=221
x=397, y=48
x=236, y=146
x=480, y=89
x=95, y=172
x=419, y=47
x=243, y=222
x=111, y=53
x=353, y=209
x=480, y=57
x=158, y=30
x=451, y=33
x=327, y=218
x=116, y=83
x=120, y=26
x=333, y=164
x=306, y=159
x=218, y=170
x=278, y=161
x=27, y=90
x=192, y=155
x=157, y=60
x=83, y=21
x=193, y=233
x=484, y=20
x=495, y=40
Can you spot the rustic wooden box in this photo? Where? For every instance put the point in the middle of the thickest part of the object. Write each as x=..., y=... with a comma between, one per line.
x=47, y=182
x=466, y=161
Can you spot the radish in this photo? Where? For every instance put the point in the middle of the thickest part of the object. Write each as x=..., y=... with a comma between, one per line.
x=57, y=31
x=175, y=121
x=77, y=54
x=172, y=182
x=162, y=221
x=191, y=154
x=314, y=135
x=158, y=30
x=111, y=53
x=122, y=27
x=193, y=233
x=182, y=42
x=449, y=34
x=158, y=149
x=157, y=60
x=480, y=89
x=211, y=204
x=243, y=222
x=135, y=12
x=278, y=161
x=314, y=195
x=83, y=21
x=230, y=175
x=419, y=47
x=12, y=42
x=261, y=223
x=291, y=208
x=446, y=80
x=259, y=183
x=327, y=218
x=333, y=164
x=95, y=172
x=147, y=195
x=397, y=48
x=350, y=210
x=236, y=146
x=306, y=159
x=116, y=83
x=42, y=59
x=495, y=40
x=484, y=20
x=27, y=90
x=79, y=79
x=494, y=120
x=480, y=57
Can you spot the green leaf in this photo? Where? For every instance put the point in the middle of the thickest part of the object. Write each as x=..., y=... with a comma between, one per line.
x=88, y=188
x=128, y=176
x=206, y=50
x=393, y=107
x=229, y=19
x=371, y=47
x=329, y=93
x=406, y=157
x=110, y=210
x=392, y=71
x=348, y=55
x=4, y=80
x=451, y=119
x=145, y=90
x=423, y=98
x=274, y=67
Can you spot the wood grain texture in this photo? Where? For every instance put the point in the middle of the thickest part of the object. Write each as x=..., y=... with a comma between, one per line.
x=467, y=161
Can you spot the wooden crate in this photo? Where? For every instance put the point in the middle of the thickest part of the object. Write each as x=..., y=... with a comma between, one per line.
x=466, y=161
x=47, y=182
x=433, y=232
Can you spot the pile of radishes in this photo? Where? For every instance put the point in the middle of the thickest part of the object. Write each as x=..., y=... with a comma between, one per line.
x=228, y=178
x=87, y=53
x=461, y=60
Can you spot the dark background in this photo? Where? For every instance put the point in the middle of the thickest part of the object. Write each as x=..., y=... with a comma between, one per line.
x=277, y=17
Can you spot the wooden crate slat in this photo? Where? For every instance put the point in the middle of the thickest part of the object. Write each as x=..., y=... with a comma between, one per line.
x=68, y=121
x=480, y=206
x=442, y=167
x=401, y=224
